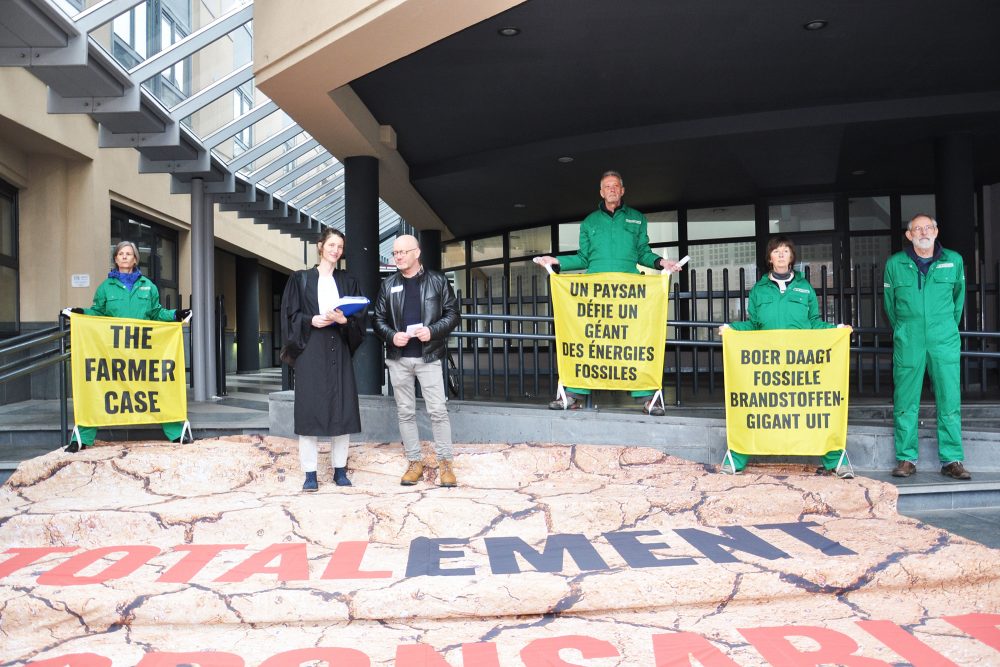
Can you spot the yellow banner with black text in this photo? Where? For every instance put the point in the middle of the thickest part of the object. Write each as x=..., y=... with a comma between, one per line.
x=127, y=371
x=611, y=329
x=786, y=391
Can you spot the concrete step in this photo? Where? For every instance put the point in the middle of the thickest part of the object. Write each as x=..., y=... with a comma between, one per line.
x=928, y=489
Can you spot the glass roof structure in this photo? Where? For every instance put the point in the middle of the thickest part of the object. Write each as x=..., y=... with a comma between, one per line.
x=174, y=80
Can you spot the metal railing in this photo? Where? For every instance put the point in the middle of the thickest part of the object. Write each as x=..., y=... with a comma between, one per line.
x=55, y=344
x=504, y=348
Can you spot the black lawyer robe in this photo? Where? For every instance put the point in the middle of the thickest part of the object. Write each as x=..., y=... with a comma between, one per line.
x=326, y=396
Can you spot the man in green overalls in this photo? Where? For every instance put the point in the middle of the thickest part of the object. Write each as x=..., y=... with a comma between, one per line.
x=924, y=296
x=614, y=238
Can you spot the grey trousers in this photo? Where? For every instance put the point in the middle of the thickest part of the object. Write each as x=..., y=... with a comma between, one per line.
x=403, y=373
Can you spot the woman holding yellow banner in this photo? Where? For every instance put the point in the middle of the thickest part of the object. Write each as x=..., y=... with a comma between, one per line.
x=127, y=293
x=783, y=299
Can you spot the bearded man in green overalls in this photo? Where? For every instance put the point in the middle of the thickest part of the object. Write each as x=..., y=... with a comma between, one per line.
x=924, y=296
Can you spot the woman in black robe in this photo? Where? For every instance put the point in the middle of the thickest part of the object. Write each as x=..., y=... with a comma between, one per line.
x=326, y=397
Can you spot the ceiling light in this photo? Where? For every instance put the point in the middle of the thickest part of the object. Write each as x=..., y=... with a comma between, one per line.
x=565, y=159
x=858, y=172
x=519, y=205
x=815, y=24
x=509, y=31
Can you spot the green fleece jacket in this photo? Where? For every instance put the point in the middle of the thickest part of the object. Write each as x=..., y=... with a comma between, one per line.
x=612, y=243
x=770, y=308
x=113, y=299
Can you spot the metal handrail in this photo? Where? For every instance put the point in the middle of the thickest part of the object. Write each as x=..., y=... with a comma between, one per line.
x=25, y=341
x=39, y=361
x=25, y=366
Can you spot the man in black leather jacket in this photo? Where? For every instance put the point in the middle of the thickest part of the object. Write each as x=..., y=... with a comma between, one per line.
x=415, y=311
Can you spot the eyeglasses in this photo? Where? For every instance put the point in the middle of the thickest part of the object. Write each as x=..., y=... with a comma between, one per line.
x=923, y=230
x=400, y=253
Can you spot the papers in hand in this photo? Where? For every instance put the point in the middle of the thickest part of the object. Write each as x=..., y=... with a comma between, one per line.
x=412, y=329
x=349, y=305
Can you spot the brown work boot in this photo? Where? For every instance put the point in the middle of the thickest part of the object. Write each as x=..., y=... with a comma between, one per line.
x=904, y=469
x=413, y=473
x=446, y=476
x=955, y=470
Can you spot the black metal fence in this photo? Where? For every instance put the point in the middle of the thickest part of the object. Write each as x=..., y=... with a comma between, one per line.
x=504, y=347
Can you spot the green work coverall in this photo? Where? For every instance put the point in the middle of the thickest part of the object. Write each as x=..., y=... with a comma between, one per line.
x=612, y=243
x=795, y=308
x=925, y=311
x=142, y=302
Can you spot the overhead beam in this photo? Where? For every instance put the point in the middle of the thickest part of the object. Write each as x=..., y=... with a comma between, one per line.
x=304, y=186
x=282, y=160
x=101, y=13
x=260, y=150
x=193, y=43
x=237, y=125
x=312, y=164
x=206, y=96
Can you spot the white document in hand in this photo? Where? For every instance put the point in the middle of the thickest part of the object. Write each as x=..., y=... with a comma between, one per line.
x=412, y=329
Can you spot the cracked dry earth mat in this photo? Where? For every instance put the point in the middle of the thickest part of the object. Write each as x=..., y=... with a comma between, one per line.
x=156, y=555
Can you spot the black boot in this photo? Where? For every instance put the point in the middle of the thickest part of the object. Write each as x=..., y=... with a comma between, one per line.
x=340, y=477
x=310, y=485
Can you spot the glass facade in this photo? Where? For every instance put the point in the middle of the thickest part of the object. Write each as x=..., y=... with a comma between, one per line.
x=531, y=242
x=213, y=43
x=911, y=205
x=569, y=237
x=9, y=284
x=869, y=214
x=157, y=251
x=487, y=249
x=662, y=227
x=720, y=222
x=813, y=216
x=453, y=254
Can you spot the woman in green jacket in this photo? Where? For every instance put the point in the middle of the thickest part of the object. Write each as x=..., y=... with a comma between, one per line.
x=127, y=293
x=783, y=299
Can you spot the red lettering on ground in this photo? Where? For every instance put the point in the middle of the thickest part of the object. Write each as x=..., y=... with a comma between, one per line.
x=73, y=660
x=199, y=658
x=984, y=627
x=482, y=654
x=906, y=645
x=293, y=564
x=341, y=657
x=345, y=563
x=677, y=648
x=545, y=652
x=64, y=574
x=193, y=563
x=834, y=647
x=25, y=556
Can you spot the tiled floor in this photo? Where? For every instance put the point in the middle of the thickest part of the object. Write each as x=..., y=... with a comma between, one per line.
x=981, y=524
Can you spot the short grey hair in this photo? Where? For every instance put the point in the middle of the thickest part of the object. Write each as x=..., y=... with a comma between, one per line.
x=611, y=172
x=909, y=225
x=122, y=244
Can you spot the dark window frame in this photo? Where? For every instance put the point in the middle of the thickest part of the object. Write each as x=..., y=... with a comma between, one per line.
x=9, y=192
x=151, y=234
